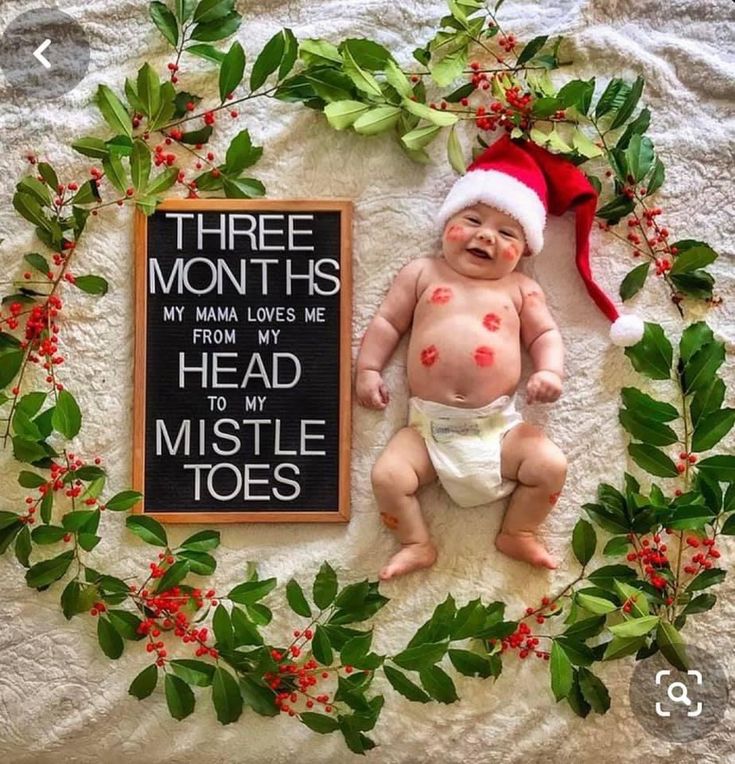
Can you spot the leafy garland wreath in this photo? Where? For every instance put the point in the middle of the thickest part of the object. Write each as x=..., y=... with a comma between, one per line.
x=323, y=673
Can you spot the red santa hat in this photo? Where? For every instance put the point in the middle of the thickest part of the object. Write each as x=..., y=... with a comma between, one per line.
x=526, y=182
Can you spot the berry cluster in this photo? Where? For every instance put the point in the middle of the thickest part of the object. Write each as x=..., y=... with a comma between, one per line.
x=652, y=558
x=685, y=459
x=523, y=641
x=701, y=560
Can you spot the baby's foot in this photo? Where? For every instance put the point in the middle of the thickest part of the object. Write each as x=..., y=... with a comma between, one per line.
x=524, y=546
x=409, y=557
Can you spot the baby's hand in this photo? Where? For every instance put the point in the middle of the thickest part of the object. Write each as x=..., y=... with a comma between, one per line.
x=371, y=390
x=543, y=387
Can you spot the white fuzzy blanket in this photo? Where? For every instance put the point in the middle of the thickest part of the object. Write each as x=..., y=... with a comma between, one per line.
x=62, y=700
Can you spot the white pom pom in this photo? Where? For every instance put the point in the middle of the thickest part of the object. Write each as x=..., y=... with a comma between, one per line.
x=627, y=330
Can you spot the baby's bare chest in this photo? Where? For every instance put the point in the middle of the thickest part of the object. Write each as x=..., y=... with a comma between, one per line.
x=467, y=308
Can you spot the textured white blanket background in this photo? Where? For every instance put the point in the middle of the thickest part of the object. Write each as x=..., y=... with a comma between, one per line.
x=61, y=699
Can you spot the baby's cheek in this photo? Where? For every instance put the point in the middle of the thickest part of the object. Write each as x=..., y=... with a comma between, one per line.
x=455, y=233
x=509, y=253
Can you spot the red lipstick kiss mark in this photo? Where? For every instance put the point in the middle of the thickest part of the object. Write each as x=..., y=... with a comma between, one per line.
x=390, y=521
x=429, y=355
x=491, y=322
x=441, y=295
x=455, y=233
x=554, y=498
x=484, y=356
x=509, y=253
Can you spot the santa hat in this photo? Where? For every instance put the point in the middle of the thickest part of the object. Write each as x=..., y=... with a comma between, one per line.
x=525, y=181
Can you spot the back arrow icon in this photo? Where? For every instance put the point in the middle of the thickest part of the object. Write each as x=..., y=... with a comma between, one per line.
x=38, y=53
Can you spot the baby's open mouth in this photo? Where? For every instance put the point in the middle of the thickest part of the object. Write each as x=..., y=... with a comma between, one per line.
x=476, y=252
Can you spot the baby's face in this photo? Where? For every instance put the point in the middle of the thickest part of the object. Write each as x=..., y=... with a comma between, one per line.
x=482, y=242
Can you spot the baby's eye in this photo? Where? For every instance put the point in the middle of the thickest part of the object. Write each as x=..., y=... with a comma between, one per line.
x=474, y=220
x=508, y=233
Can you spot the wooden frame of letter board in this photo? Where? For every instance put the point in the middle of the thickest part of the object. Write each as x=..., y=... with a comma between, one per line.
x=343, y=206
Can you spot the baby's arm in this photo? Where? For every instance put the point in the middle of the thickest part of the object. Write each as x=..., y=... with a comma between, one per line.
x=390, y=323
x=542, y=339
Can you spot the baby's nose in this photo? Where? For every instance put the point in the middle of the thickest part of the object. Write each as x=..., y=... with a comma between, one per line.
x=486, y=234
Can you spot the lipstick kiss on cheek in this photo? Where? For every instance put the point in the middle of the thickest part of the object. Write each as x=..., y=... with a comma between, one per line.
x=509, y=253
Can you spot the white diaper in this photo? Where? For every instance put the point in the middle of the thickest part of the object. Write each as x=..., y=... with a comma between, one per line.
x=464, y=446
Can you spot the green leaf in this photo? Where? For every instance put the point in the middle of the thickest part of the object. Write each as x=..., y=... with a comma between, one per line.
x=637, y=127
x=268, y=60
x=179, y=697
x=207, y=52
x=700, y=604
x=222, y=627
x=325, y=586
x=597, y=605
x=203, y=541
x=231, y=71
x=243, y=188
x=226, y=696
x=173, y=576
x=435, y=116
x=140, y=165
x=694, y=337
x=635, y=597
x=403, y=685
x=672, y=645
x=362, y=79
x=698, y=284
x=652, y=356
x=252, y=591
x=144, y=684
x=578, y=94
x=594, y=691
x=562, y=673
x=585, y=146
x=23, y=546
x=606, y=576
x=455, y=153
x=148, y=529
x=699, y=256
x=201, y=563
x=712, y=429
x=397, y=79
x=646, y=407
x=421, y=656
x=342, y=114
x=38, y=262
x=702, y=366
x=470, y=664
x=10, y=363
x=49, y=175
x=88, y=192
x=377, y=120
x=165, y=21
x=31, y=479
x=193, y=672
x=184, y=9
x=616, y=209
x=635, y=627
x=36, y=189
x=162, y=182
x=639, y=156
x=648, y=430
x=110, y=641
x=420, y=137
x=296, y=599
x=48, y=534
x=126, y=624
x=705, y=579
x=218, y=29
x=618, y=647
x=91, y=147
x=114, y=111
x=657, y=177
x=241, y=153
x=612, y=97
x=319, y=52
x=584, y=542
x=438, y=684
x=321, y=646
x=652, y=460
x=27, y=451
x=123, y=501
x=42, y=574
x=320, y=723
x=629, y=104
x=245, y=631
x=211, y=10
x=531, y=49
x=80, y=518
x=634, y=281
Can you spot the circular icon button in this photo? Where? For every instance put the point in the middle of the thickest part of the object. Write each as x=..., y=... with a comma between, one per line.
x=44, y=53
x=679, y=704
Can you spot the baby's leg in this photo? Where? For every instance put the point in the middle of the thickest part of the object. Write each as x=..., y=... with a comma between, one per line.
x=540, y=468
x=400, y=471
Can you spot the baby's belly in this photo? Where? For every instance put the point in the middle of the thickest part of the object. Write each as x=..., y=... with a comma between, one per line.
x=462, y=367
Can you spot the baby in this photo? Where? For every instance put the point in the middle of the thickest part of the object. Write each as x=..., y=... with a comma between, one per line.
x=468, y=312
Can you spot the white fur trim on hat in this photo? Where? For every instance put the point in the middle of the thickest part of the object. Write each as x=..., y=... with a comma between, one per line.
x=505, y=193
x=627, y=330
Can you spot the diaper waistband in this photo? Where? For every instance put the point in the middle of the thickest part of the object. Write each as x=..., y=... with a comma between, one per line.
x=435, y=410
